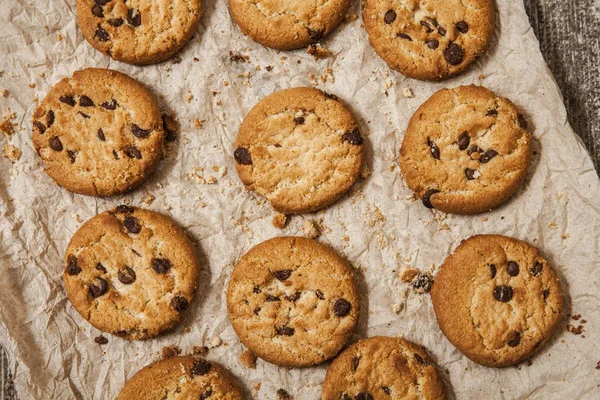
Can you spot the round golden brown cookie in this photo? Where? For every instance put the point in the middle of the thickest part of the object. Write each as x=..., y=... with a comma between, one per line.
x=429, y=39
x=293, y=301
x=465, y=150
x=497, y=300
x=131, y=272
x=383, y=368
x=288, y=24
x=181, y=378
x=300, y=148
x=138, y=31
x=99, y=132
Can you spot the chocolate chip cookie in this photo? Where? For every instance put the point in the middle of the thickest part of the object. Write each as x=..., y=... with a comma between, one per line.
x=138, y=31
x=429, y=39
x=465, y=150
x=131, y=272
x=99, y=132
x=288, y=24
x=181, y=378
x=383, y=368
x=293, y=301
x=300, y=148
x=497, y=300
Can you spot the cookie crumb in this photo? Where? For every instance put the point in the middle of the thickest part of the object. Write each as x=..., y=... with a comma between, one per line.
x=279, y=220
x=396, y=308
x=170, y=351
x=11, y=152
x=200, y=350
x=575, y=330
x=408, y=93
x=6, y=125
x=365, y=171
x=283, y=395
x=170, y=126
x=101, y=340
x=317, y=51
x=148, y=199
x=408, y=274
x=32, y=85
x=176, y=60
x=214, y=342
x=248, y=358
x=239, y=58
x=422, y=283
x=59, y=37
x=310, y=229
x=350, y=17
x=199, y=123
x=4, y=93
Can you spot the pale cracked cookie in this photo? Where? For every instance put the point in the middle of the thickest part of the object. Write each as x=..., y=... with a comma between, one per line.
x=131, y=272
x=465, y=150
x=300, y=148
x=138, y=31
x=293, y=301
x=99, y=132
x=429, y=39
x=383, y=368
x=497, y=300
x=288, y=24
x=181, y=378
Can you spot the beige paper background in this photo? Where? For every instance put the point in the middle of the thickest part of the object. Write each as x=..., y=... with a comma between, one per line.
x=51, y=347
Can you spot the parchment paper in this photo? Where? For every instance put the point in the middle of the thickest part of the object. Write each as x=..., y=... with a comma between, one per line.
x=379, y=227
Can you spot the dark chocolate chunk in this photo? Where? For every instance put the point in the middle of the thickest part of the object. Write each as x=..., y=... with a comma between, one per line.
x=179, y=304
x=100, y=267
x=49, y=118
x=170, y=134
x=355, y=363
x=331, y=96
x=257, y=310
x=256, y=290
x=503, y=293
x=206, y=394
x=283, y=274
x=316, y=35
x=115, y=155
x=454, y=54
x=427, y=26
x=487, y=156
x=41, y=128
x=102, y=2
x=419, y=359
x=387, y=390
x=512, y=268
x=126, y=275
x=98, y=287
x=56, y=144
x=98, y=11
x=470, y=174
x=422, y=283
x=283, y=395
x=390, y=16
x=545, y=294
x=442, y=31
x=522, y=121
x=293, y=297
x=363, y=396
x=492, y=113
x=319, y=295
x=353, y=137
x=124, y=209
x=73, y=267
x=536, y=270
x=432, y=43
x=404, y=36
x=242, y=156
x=139, y=132
x=493, y=270
x=462, y=26
x=112, y=105
x=116, y=22
x=200, y=367
x=463, y=141
x=132, y=152
x=341, y=307
x=270, y=298
x=101, y=340
x=101, y=135
x=101, y=34
x=427, y=197
x=134, y=17
x=474, y=150
x=515, y=340
x=72, y=156
x=132, y=224
x=435, y=151
x=284, y=331
x=299, y=120
x=84, y=115
x=161, y=265
x=345, y=397
x=67, y=100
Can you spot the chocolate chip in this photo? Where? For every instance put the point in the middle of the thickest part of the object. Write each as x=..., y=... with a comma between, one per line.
x=139, y=132
x=283, y=395
x=493, y=270
x=56, y=144
x=492, y=113
x=97, y=11
x=387, y=390
x=454, y=54
x=110, y=106
x=319, y=295
x=132, y=224
x=419, y=359
x=470, y=174
x=257, y=310
x=432, y=43
x=72, y=156
x=101, y=135
x=116, y=22
x=316, y=35
x=435, y=151
x=136, y=253
x=123, y=209
x=67, y=100
x=161, y=265
x=464, y=140
x=522, y=121
x=242, y=156
x=299, y=120
x=503, y=293
x=84, y=115
x=200, y=367
x=115, y=155
x=474, y=150
x=545, y=294
x=283, y=274
x=134, y=17
x=206, y=394
x=293, y=297
x=487, y=156
x=536, y=270
x=100, y=267
x=515, y=340
x=285, y=331
x=270, y=298
x=422, y=283
x=331, y=96
x=462, y=26
x=355, y=362
x=41, y=128
x=363, y=396
x=512, y=268
x=49, y=118
x=353, y=137
x=170, y=135
x=132, y=152
x=102, y=2
x=101, y=340
x=427, y=26
x=73, y=267
x=98, y=287
x=404, y=36
x=442, y=31
x=179, y=304
x=101, y=34
x=126, y=275
x=389, y=16
x=427, y=197
x=341, y=307
x=256, y=290
x=345, y=397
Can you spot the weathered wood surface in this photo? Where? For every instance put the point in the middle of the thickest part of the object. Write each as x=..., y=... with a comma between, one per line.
x=569, y=35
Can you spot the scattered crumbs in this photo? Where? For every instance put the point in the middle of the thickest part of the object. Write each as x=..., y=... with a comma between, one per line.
x=257, y=386
x=214, y=342
x=199, y=123
x=239, y=58
x=408, y=92
x=6, y=125
x=327, y=76
x=283, y=395
x=422, y=283
x=101, y=340
x=189, y=97
x=200, y=350
x=248, y=359
x=11, y=152
x=408, y=274
x=575, y=330
x=59, y=37
x=43, y=75
x=196, y=59
x=565, y=237
x=529, y=363
x=169, y=351
x=269, y=68
x=279, y=220
x=225, y=83
x=396, y=308
x=148, y=199
x=553, y=225
x=365, y=171
x=313, y=79
x=176, y=60
x=350, y=18
x=576, y=317
x=346, y=238
x=77, y=217
x=318, y=51
x=4, y=93
x=310, y=229
x=245, y=79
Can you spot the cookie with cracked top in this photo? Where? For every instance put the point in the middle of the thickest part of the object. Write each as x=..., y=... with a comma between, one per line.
x=293, y=301
x=466, y=150
x=98, y=132
x=181, y=378
x=383, y=368
x=138, y=31
x=288, y=24
x=299, y=148
x=497, y=300
x=429, y=39
x=131, y=272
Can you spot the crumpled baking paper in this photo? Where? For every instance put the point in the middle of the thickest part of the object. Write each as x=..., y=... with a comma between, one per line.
x=378, y=226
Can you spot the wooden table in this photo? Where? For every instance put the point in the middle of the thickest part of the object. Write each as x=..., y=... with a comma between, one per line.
x=569, y=35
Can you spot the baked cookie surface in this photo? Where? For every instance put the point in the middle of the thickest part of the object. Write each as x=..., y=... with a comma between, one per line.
x=131, y=272
x=181, y=378
x=98, y=133
x=497, y=300
x=138, y=31
x=429, y=39
x=299, y=148
x=288, y=24
x=383, y=368
x=465, y=150
x=293, y=301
